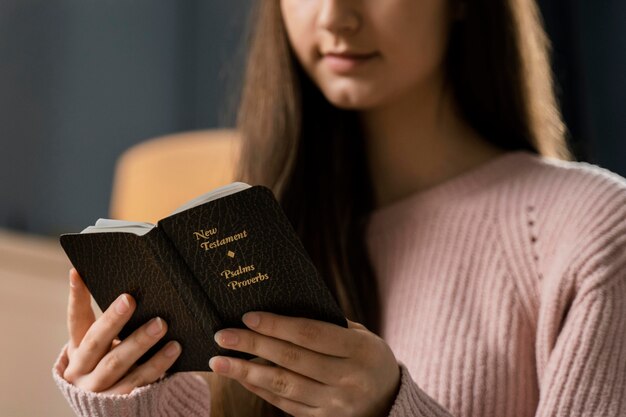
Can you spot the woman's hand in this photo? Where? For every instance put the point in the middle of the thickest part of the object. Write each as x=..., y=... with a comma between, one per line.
x=98, y=361
x=322, y=369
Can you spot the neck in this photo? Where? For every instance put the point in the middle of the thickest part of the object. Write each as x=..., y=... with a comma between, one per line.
x=418, y=141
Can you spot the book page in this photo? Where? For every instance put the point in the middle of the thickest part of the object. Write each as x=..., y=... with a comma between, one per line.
x=220, y=192
x=111, y=225
x=141, y=228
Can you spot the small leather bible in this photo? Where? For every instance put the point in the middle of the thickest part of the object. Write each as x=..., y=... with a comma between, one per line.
x=225, y=253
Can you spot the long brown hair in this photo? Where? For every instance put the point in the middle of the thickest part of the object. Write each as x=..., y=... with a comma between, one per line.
x=312, y=154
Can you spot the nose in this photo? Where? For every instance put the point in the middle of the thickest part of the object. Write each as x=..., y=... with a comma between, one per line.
x=339, y=17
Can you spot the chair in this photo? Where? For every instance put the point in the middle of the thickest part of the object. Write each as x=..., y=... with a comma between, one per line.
x=154, y=177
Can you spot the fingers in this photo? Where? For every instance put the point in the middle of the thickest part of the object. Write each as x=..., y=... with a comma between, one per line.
x=319, y=336
x=98, y=360
x=80, y=315
x=292, y=408
x=116, y=363
x=322, y=368
x=276, y=380
x=99, y=337
x=148, y=372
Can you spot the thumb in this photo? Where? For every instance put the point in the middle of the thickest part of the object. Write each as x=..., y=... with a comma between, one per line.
x=80, y=315
x=355, y=325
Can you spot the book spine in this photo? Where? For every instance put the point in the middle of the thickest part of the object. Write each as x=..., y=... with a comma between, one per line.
x=173, y=267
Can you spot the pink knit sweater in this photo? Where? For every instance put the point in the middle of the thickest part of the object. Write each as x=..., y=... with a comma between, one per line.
x=504, y=294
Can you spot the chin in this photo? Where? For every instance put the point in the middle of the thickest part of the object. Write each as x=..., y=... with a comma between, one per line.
x=347, y=101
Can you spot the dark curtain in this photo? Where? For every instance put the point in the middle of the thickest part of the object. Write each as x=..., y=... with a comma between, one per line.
x=589, y=60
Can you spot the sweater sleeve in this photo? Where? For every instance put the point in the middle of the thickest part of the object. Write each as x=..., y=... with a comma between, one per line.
x=581, y=333
x=180, y=394
x=412, y=401
x=580, y=338
x=585, y=373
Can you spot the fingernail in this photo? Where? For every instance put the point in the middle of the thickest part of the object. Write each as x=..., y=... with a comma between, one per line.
x=155, y=326
x=226, y=337
x=219, y=364
x=73, y=280
x=122, y=305
x=251, y=319
x=172, y=349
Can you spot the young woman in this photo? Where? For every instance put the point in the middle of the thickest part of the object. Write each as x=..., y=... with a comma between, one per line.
x=419, y=152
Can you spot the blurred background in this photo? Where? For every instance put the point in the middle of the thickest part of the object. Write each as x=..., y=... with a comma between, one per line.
x=83, y=81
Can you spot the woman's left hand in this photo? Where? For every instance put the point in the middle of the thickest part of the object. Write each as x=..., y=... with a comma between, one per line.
x=322, y=369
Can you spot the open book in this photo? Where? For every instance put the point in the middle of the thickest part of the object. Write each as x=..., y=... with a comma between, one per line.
x=220, y=255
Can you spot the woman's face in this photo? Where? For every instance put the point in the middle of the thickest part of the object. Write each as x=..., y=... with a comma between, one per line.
x=364, y=53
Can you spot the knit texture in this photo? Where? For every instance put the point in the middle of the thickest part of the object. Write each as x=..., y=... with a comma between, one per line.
x=181, y=394
x=503, y=293
x=504, y=289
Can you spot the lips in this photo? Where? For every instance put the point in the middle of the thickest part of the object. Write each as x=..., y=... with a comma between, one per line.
x=345, y=62
x=349, y=55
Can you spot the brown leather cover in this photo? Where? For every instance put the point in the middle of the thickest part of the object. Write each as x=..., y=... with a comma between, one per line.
x=178, y=271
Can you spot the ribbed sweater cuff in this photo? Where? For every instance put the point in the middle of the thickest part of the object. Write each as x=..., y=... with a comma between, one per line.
x=412, y=401
x=180, y=394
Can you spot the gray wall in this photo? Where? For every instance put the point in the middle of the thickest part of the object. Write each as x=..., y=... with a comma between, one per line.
x=82, y=80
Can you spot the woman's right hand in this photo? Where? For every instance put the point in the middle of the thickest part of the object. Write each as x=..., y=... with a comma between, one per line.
x=98, y=361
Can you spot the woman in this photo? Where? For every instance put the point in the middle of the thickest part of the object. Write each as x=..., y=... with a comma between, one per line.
x=418, y=150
